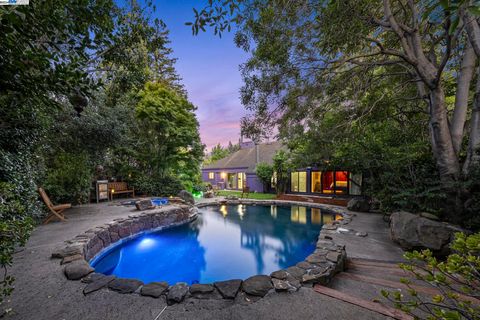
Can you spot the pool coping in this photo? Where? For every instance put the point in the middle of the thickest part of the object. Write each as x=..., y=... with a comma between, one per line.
x=319, y=267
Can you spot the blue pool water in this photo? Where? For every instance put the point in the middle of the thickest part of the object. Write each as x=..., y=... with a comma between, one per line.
x=226, y=242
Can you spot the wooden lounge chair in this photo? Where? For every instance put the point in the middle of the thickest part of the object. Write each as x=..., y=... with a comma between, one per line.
x=55, y=211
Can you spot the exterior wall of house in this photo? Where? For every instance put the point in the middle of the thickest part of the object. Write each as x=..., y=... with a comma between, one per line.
x=220, y=178
x=254, y=183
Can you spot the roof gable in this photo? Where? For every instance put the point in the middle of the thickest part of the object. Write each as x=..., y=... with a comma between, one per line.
x=247, y=158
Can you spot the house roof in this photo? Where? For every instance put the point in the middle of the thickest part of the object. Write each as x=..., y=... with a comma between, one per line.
x=247, y=158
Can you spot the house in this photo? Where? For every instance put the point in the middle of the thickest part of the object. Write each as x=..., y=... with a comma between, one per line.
x=238, y=169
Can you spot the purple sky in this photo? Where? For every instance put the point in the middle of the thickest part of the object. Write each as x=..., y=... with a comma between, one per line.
x=209, y=67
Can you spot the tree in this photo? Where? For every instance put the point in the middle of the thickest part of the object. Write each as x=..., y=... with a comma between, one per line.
x=299, y=52
x=169, y=141
x=281, y=169
x=264, y=172
x=218, y=152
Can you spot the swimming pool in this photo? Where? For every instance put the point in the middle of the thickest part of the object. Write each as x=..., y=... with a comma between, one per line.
x=224, y=242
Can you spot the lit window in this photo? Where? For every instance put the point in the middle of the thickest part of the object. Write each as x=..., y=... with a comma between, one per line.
x=316, y=181
x=211, y=175
x=298, y=181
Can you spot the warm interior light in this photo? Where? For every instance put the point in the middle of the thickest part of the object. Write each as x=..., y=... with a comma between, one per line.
x=223, y=175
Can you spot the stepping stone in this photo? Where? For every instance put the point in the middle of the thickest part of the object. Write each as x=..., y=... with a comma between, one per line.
x=122, y=285
x=77, y=270
x=98, y=284
x=257, y=285
x=154, y=289
x=228, y=289
x=177, y=293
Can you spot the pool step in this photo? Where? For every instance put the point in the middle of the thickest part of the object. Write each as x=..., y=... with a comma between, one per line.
x=366, y=304
x=357, y=286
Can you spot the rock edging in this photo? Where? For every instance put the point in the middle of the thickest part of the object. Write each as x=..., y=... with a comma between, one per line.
x=319, y=267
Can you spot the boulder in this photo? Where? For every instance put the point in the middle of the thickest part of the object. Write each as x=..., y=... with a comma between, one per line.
x=177, y=293
x=257, y=285
x=154, y=289
x=77, y=270
x=359, y=205
x=228, y=289
x=144, y=204
x=125, y=285
x=186, y=196
x=413, y=232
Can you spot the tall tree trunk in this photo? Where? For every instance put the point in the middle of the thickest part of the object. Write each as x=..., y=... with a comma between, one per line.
x=446, y=159
x=464, y=79
x=473, y=151
x=472, y=26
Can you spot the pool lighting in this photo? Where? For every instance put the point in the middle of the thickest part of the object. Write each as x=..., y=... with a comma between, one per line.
x=197, y=194
x=146, y=243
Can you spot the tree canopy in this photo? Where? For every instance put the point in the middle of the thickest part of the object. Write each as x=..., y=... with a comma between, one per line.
x=389, y=87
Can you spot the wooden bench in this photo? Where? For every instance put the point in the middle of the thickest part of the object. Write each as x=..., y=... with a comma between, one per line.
x=119, y=188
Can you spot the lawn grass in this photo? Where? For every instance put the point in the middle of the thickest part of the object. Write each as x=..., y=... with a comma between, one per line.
x=251, y=195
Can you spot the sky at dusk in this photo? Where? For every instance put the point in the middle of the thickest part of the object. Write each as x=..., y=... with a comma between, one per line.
x=209, y=67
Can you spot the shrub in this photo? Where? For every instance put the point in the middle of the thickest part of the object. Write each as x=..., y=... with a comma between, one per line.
x=457, y=280
x=264, y=172
x=161, y=186
x=69, y=178
x=15, y=228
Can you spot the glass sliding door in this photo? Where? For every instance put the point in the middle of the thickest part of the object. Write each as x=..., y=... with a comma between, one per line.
x=241, y=180
x=341, y=182
x=328, y=182
x=316, y=184
x=231, y=181
x=298, y=181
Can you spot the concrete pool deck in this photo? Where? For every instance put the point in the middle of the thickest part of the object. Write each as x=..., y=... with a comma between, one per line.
x=43, y=292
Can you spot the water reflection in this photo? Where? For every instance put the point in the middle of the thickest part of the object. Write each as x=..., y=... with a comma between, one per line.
x=224, y=242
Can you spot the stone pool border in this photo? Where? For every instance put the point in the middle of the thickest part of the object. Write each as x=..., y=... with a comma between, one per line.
x=327, y=260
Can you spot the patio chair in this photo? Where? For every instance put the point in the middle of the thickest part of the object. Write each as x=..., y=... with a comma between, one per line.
x=245, y=192
x=216, y=190
x=56, y=211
